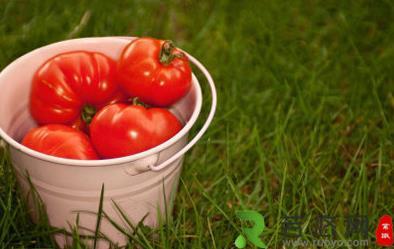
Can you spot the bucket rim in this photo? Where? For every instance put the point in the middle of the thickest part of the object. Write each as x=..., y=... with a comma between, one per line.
x=100, y=162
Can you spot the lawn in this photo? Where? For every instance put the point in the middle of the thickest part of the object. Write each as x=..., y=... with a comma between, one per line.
x=305, y=119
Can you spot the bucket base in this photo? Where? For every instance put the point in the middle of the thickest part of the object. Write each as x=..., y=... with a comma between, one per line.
x=149, y=205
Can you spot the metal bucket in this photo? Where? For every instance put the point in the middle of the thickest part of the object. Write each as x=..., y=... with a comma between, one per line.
x=141, y=184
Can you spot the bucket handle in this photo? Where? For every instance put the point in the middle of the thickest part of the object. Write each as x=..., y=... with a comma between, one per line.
x=204, y=128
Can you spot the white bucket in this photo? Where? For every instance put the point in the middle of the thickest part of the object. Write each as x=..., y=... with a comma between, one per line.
x=135, y=182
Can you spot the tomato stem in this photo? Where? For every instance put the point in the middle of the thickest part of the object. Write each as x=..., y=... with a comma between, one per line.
x=88, y=112
x=136, y=101
x=166, y=53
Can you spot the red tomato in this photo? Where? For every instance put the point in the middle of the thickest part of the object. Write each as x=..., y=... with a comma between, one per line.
x=71, y=86
x=154, y=71
x=61, y=141
x=121, y=130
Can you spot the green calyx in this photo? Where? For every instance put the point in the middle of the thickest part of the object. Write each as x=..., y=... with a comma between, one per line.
x=136, y=101
x=88, y=112
x=166, y=53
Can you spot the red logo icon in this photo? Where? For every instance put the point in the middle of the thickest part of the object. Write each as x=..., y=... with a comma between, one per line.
x=384, y=232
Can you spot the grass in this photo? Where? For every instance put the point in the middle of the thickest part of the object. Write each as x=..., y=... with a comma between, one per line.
x=304, y=124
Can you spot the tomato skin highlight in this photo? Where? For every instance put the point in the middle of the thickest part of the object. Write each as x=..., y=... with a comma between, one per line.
x=143, y=75
x=67, y=82
x=121, y=130
x=61, y=141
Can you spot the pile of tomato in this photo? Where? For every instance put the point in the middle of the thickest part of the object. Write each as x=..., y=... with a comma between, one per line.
x=89, y=106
